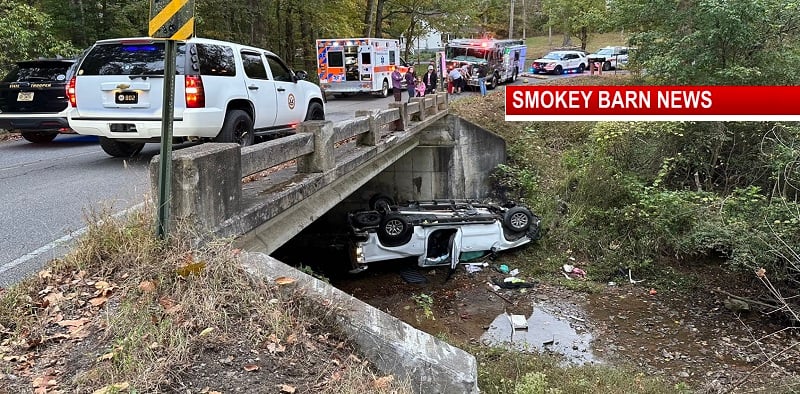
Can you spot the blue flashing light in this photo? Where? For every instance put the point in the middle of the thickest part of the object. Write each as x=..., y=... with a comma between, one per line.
x=139, y=48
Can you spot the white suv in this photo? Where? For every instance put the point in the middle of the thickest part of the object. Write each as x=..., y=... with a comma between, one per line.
x=224, y=92
x=559, y=62
x=611, y=57
x=439, y=232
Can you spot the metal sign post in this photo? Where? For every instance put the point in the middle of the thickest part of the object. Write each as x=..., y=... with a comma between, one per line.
x=173, y=20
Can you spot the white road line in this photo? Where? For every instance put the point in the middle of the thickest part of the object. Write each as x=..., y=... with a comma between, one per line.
x=61, y=241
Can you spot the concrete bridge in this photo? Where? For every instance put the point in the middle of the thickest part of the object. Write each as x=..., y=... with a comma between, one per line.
x=265, y=194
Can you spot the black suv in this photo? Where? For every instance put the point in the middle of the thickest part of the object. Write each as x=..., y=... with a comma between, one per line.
x=33, y=99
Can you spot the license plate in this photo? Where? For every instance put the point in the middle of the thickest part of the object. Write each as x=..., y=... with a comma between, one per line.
x=25, y=96
x=126, y=97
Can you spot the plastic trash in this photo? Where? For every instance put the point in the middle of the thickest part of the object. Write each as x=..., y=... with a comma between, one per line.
x=514, y=272
x=472, y=268
x=503, y=268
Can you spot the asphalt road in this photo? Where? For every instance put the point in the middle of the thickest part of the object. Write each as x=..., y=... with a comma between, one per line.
x=49, y=189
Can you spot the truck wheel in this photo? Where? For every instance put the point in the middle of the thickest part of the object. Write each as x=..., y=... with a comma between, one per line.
x=606, y=66
x=385, y=89
x=558, y=70
x=38, y=138
x=394, y=230
x=517, y=219
x=381, y=203
x=581, y=68
x=238, y=128
x=315, y=111
x=492, y=82
x=119, y=148
x=367, y=219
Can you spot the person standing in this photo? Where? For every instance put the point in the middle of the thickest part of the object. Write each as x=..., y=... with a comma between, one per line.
x=466, y=75
x=482, y=78
x=397, y=84
x=411, y=83
x=420, y=87
x=455, y=77
x=431, y=79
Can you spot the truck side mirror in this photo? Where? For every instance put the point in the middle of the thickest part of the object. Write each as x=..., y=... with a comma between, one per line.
x=301, y=75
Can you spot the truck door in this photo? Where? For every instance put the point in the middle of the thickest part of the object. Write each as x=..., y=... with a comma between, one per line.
x=331, y=64
x=291, y=102
x=365, y=63
x=260, y=88
x=455, y=250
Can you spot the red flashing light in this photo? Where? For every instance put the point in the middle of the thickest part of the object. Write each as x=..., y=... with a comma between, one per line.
x=73, y=101
x=195, y=95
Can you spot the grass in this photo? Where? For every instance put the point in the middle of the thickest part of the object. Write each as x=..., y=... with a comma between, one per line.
x=503, y=372
x=128, y=312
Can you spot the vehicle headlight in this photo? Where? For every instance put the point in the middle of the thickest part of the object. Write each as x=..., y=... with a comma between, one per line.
x=359, y=254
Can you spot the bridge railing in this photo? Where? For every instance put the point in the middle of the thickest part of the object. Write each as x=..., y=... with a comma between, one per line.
x=207, y=180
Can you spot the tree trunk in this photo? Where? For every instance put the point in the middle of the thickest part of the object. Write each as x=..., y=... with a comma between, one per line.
x=369, y=18
x=379, y=18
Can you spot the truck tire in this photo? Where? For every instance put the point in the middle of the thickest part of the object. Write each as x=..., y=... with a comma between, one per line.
x=606, y=66
x=491, y=83
x=37, y=137
x=119, y=148
x=385, y=88
x=394, y=230
x=381, y=203
x=315, y=111
x=237, y=128
x=517, y=219
x=558, y=70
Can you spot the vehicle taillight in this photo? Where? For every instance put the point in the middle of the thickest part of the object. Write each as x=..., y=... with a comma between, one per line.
x=73, y=101
x=195, y=96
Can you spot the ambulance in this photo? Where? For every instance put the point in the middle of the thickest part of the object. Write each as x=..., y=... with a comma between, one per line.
x=353, y=65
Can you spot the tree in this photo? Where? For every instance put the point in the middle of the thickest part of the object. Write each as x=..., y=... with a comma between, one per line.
x=577, y=18
x=714, y=41
x=26, y=33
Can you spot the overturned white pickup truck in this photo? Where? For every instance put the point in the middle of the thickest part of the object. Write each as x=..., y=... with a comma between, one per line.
x=439, y=232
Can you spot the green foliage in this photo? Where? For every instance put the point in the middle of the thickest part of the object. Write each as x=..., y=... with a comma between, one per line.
x=638, y=192
x=25, y=33
x=535, y=383
x=713, y=41
x=425, y=303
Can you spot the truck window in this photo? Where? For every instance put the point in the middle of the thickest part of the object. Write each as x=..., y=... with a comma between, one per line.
x=216, y=60
x=392, y=57
x=279, y=70
x=254, y=66
x=130, y=59
x=366, y=58
x=335, y=59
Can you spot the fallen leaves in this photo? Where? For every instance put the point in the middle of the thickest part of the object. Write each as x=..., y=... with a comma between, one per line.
x=147, y=286
x=112, y=388
x=284, y=280
x=251, y=367
x=43, y=384
x=285, y=388
x=383, y=382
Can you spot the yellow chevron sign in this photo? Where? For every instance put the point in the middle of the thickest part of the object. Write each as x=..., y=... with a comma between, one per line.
x=173, y=19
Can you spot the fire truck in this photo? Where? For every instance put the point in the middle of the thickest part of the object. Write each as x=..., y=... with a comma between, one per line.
x=505, y=59
x=353, y=65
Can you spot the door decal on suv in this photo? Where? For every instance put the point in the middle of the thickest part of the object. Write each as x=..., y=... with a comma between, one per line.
x=291, y=101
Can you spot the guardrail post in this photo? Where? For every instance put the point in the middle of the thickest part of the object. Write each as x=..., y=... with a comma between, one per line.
x=323, y=158
x=421, y=102
x=441, y=101
x=400, y=124
x=371, y=137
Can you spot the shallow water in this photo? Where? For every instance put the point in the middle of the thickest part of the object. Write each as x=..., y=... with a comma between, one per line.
x=547, y=332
